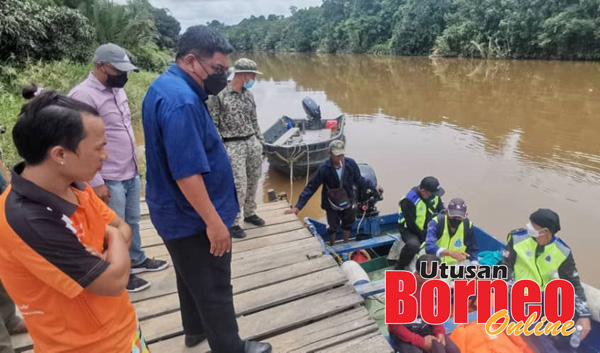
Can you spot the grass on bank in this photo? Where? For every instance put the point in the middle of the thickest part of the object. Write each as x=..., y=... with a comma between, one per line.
x=60, y=76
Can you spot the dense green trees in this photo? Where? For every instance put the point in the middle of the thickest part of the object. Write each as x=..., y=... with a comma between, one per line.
x=70, y=29
x=564, y=29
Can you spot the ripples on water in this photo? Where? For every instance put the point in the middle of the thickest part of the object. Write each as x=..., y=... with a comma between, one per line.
x=507, y=136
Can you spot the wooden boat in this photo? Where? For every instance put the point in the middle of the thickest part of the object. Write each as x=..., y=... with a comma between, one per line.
x=295, y=145
x=377, y=234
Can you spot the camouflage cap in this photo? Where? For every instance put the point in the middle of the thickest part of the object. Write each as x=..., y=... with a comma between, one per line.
x=337, y=148
x=246, y=65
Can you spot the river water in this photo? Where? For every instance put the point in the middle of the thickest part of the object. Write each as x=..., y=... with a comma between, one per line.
x=508, y=137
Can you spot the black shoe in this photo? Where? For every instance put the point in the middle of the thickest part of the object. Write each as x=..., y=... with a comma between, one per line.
x=257, y=347
x=194, y=340
x=237, y=232
x=254, y=219
x=149, y=265
x=136, y=284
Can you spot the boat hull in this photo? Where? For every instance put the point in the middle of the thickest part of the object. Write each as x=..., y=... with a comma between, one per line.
x=387, y=226
x=305, y=156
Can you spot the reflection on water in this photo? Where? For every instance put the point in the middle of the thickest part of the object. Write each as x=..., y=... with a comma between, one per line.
x=507, y=136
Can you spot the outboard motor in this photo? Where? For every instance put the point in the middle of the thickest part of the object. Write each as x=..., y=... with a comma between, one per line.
x=367, y=198
x=313, y=112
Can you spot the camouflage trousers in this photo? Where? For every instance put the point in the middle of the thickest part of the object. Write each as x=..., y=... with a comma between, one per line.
x=246, y=162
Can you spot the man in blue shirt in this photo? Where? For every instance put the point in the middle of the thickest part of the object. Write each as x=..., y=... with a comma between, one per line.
x=190, y=189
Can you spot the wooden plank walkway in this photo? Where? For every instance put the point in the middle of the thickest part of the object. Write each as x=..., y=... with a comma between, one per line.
x=286, y=292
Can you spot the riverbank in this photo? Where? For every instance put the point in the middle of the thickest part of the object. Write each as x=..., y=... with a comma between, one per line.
x=60, y=76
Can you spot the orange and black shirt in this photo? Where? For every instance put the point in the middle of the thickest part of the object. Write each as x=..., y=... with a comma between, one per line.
x=45, y=269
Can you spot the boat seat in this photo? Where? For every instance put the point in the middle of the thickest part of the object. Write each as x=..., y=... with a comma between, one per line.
x=281, y=141
x=365, y=244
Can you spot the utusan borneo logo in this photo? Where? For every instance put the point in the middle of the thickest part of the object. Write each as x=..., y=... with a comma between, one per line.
x=515, y=307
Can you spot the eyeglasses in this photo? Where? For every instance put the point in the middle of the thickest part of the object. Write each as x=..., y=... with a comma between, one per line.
x=218, y=69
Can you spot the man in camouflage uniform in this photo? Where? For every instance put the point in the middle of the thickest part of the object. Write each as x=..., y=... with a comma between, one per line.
x=234, y=114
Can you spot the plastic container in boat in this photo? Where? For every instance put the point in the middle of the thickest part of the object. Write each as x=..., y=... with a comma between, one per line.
x=355, y=273
x=331, y=124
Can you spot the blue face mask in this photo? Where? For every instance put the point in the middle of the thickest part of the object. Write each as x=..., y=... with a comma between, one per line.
x=249, y=84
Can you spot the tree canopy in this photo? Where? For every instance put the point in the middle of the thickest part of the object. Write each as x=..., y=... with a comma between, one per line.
x=562, y=29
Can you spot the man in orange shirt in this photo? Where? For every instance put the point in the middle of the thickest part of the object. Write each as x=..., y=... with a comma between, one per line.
x=64, y=257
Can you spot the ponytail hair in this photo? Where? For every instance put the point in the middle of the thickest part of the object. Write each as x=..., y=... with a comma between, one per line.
x=31, y=90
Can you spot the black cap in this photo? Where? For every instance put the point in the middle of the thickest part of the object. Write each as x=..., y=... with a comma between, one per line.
x=457, y=208
x=431, y=184
x=546, y=218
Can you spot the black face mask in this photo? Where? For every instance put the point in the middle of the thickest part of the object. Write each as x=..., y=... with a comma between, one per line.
x=215, y=83
x=454, y=223
x=116, y=81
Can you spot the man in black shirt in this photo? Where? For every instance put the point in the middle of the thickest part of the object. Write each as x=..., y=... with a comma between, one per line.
x=330, y=174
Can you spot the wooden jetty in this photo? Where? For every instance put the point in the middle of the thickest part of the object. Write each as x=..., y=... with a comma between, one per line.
x=286, y=292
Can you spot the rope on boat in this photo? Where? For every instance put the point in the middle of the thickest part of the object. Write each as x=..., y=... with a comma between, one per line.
x=296, y=155
x=334, y=254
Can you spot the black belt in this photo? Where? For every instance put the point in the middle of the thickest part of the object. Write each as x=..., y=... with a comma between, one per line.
x=237, y=138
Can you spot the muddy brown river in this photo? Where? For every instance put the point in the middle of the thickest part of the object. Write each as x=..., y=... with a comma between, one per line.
x=506, y=136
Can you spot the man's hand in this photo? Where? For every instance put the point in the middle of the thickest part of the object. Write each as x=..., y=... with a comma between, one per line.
x=458, y=255
x=442, y=339
x=103, y=193
x=587, y=326
x=429, y=343
x=293, y=210
x=93, y=252
x=219, y=237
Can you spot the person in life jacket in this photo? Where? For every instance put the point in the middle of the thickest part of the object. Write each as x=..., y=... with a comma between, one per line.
x=420, y=336
x=415, y=211
x=536, y=253
x=450, y=235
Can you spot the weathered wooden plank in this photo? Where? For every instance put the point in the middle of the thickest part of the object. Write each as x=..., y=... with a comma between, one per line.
x=275, y=250
x=162, y=327
x=150, y=241
x=269, y=230
x=21, y=342
x=373, y=342
x=280, y=318
x=254, y=300
x=325, y=333
x=286, y=224
x=261, y=207
x=371, y=288
x=154, y=250
x=289, y=290
x=272, y=206
x=277, y=218
x=274, y=239
x=247, y=267
x=164, y=283
x=270, y=217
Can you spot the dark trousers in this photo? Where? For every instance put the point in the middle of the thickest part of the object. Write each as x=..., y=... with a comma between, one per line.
x=337, y=219
x=412, y=245
x=205, y=293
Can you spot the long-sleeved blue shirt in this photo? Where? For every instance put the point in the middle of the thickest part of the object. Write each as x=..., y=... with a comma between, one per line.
x=327, y=175
x=432, y=237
